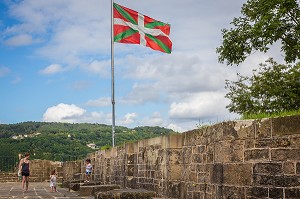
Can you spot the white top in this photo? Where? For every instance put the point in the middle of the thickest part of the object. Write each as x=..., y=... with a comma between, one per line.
x=53, y=181
x=89, y=168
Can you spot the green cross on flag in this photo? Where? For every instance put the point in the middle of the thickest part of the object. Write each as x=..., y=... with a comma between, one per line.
x=134, y=28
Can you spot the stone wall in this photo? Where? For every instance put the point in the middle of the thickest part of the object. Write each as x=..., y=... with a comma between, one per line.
x=237, y=159
x=40, y=170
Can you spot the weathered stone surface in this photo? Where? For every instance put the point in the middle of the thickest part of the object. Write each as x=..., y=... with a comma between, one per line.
x=74, y=186
x=268, y=168
x=233, y=192
x=217, y=174
x=233, y=151
x=273, y=143
x=285, y=154
x=289, y=168
x=126, y=194
x=292, y=193
x=257, y=192
x=237, y=174
x=278, y=181
x=93, y=189
x=243, y=159
x=275, y=193
x=256, y=154
x=288, y=125
x=262, y=128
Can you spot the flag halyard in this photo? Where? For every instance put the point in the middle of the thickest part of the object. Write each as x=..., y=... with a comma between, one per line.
x=134, y=28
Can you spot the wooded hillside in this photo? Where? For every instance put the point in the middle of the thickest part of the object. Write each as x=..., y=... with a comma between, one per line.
x=64, y=141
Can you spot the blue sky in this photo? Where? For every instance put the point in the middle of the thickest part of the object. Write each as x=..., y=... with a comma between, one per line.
x=55, y=64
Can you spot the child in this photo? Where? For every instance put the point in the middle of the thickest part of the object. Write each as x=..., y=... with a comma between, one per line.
x=53, y=181
x=88, y=170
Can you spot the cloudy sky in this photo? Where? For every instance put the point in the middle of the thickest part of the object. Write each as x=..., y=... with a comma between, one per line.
x=55, y=64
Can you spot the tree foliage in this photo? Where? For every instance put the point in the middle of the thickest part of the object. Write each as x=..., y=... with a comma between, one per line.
x=273, y=88
x=64, y=141
x=263, y=22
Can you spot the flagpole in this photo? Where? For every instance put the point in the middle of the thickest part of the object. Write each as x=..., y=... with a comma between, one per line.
x=112, y=74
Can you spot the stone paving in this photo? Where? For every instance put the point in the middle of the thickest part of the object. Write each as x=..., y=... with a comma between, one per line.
x=36, y=190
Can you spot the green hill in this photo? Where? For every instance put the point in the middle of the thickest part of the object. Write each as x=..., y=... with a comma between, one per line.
x=64, y=141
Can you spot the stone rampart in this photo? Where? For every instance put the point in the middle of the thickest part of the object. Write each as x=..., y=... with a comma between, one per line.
x=40, y=170
x=237, y=159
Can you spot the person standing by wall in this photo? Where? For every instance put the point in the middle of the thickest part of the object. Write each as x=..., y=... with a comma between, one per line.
x=25, y=171
x=53, y=181
x=88, y=170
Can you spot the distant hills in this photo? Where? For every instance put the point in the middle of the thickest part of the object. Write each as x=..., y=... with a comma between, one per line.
x=65, y=141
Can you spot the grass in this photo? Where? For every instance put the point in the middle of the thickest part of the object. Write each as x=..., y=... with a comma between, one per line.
x=270, y=115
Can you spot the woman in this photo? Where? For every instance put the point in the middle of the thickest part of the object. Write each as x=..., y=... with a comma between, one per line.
x=25, y=170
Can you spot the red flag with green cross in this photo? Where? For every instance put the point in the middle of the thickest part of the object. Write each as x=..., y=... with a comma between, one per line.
x=134, y=28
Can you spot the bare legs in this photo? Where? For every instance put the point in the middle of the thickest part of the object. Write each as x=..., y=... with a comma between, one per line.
x=25, y=181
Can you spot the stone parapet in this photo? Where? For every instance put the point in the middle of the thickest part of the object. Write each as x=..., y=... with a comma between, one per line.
x=235, y=159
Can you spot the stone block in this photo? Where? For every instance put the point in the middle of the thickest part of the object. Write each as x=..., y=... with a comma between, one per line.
x=257, y=192
x=175, y=172
x=268, y=168
x=288, y=125
x=233, y=192
x=292, y=193
x=256, y=155
x=217, y=176
x=285, y=154
x=229, y=151
x=237, y=174
x=175, y=156
x=245, y=129
x=262, y=128
x=126, y=194
x=276, y=193
x=74, y=186
x=249, y=143
x=93, y=189
x=277, y=181
x=174, y=141
x=289, y=168
x=173, y=189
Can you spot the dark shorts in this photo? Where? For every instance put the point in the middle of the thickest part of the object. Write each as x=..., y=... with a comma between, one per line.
x=25, y=174
x=88, y=173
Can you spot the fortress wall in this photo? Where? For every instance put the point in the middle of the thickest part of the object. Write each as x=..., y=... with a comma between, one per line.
x=236, y=159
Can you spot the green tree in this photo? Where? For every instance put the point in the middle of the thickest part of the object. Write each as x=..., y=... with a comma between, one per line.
x=272, y=89
x=263, y=22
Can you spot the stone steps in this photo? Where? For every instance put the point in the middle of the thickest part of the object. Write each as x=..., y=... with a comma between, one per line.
x=91, y=190
x=125, y=194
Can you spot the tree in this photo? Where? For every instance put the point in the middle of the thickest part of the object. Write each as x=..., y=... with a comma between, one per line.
x=272, y=89
x=263, y=22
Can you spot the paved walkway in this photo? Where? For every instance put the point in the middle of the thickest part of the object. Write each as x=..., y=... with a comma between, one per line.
x=36, y=190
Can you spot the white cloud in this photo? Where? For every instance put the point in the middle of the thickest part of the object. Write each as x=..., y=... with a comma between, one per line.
x=176, y=128
x=63, y=113
x=71, y=113
x=128, y=119
x=19, y=40
x=153, y=120
x=205, y=105
x=52, y=69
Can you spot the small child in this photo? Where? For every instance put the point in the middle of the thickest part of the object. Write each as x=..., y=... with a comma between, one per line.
x=88, y=170
x=53, y=181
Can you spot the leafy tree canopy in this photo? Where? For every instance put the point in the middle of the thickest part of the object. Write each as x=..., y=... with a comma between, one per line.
x=273, y=88
x=64, y=141
x=263, y=22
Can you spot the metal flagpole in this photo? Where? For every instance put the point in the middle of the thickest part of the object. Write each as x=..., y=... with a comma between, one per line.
x=112, y=74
